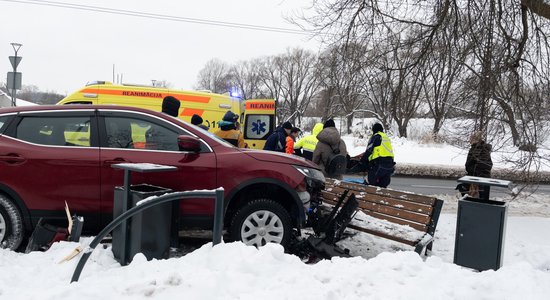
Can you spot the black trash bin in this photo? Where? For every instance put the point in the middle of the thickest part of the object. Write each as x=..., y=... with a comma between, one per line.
x=480, y=233
x=147, y=232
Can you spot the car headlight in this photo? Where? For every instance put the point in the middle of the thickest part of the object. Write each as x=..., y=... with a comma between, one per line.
x=311, y=173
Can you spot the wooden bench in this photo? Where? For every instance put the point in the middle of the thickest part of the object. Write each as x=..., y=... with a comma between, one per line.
x=399, y=216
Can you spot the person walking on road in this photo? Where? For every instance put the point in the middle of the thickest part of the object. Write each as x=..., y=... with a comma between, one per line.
x=329, y=144
x=277, y=140
x=228, y=130
x=378, y=158
x=307, y=144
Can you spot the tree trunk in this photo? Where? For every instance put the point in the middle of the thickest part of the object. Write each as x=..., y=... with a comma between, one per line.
x=538, y=7
x=349, y=120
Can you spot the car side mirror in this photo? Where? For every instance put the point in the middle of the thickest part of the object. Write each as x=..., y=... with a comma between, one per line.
x=189, y=143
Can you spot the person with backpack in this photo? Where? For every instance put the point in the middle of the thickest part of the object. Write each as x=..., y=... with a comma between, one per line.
x=277, y=140
x=305, y=146
x=378, y=158
x=330, y=152
x=228, y=130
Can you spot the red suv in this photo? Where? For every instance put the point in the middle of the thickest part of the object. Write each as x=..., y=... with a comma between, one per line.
x=53, y=154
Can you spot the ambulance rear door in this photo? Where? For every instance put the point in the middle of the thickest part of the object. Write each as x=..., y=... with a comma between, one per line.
x=259, y=122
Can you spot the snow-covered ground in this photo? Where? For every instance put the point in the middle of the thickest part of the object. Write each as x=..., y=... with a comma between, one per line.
x=384, y=270
x=381, y=269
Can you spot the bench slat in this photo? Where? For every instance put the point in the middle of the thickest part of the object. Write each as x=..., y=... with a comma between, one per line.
x=381, y=191
x=385, y=209
x=419, y=227
x=392, y=202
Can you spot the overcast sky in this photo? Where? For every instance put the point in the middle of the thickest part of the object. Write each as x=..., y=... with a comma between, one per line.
x=65, y=48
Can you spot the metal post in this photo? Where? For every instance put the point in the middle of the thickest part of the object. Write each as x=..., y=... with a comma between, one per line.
x=218, y=218
x=125, y=208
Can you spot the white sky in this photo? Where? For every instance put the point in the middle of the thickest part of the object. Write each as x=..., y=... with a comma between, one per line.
x=65, y=48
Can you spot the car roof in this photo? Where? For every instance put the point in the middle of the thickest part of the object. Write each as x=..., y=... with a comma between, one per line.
x=74, y=107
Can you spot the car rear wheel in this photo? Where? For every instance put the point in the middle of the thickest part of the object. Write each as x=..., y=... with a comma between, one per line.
x=260, y=222
x=11, y=224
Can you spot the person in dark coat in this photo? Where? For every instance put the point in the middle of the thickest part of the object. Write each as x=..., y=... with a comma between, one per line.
x=197, y=121
x=277, y=140
x=478, y=163
x=171, y=106
x=328, y=139
x=378, y=158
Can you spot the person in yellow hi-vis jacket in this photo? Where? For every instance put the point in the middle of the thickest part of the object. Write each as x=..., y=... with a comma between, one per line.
x=378, y=158
x=307, y=144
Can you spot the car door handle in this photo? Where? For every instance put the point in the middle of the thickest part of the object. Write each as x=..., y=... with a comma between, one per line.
x=12, y=159
x=116, y=161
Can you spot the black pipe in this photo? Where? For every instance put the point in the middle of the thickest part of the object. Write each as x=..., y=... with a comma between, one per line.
x=218, y=220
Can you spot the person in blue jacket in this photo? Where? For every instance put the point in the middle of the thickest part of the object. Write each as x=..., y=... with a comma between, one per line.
x=277, y=140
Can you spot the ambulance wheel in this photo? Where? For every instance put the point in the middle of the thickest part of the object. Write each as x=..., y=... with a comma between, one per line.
x=261, y=221
x=11, y=224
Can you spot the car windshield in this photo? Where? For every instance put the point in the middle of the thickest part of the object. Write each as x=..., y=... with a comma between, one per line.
x=210, y=134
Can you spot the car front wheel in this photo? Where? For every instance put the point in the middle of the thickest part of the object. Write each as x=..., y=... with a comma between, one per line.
x=260, y=222
x=11, y=224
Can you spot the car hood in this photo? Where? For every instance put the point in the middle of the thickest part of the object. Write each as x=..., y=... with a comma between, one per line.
x=277, y=157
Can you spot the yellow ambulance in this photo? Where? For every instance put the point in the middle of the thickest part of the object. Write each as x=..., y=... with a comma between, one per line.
x=257, y=116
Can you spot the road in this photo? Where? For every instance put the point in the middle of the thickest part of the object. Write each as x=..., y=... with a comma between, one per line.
x=431, y=186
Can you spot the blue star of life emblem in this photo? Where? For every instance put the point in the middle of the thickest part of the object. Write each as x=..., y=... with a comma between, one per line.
x=258, y=127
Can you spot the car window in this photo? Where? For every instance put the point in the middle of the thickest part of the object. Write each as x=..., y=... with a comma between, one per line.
x=134, y=133
x=55, y=131
x=3, y=121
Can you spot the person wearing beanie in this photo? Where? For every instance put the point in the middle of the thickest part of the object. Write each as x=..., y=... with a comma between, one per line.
x=197, y=121
x=329, y=142
x=277, y=140
x=171, y=106
x=230, y=117
x=329, y=123
x=228, y=130
x=306, y=145
x=378, y=159
x=291, y=139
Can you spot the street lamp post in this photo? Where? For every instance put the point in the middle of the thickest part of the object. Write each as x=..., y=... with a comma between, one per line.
x=15, y=62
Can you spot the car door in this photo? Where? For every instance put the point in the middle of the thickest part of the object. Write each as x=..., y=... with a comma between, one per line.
x=133, y=137
x=46, y=170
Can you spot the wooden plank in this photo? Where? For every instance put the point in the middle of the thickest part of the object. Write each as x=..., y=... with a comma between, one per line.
x=396, y=212
x=419, y=227
x=392, y=219
x=380, y=191
x=384, y=235
x=329, y=196
x=392, y=202
x=408, y=218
